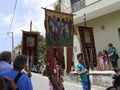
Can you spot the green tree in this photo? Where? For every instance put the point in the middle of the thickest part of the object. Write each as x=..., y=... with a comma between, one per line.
x=42, y=48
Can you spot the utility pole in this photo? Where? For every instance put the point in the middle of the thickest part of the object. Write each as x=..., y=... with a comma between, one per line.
x=12, y=43
x=12, y=39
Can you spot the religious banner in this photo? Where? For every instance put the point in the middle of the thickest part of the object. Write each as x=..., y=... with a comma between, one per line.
x=30, y=46
x=59, y=28
x=88, y=46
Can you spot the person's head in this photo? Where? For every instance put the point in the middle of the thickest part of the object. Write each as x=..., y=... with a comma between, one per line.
x=110, y=45
x=5, y=56
x=20, y=62
x=105, y=52
x=116, y=70
x=80, y=57
x=100, y=54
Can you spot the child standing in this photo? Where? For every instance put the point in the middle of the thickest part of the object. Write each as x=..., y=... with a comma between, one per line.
x=83, y=73
x=101, y=60
x=106, y=59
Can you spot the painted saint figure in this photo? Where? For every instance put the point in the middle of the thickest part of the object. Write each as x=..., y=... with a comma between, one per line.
x=67, y=32
x=50, y=27
x=54, y=33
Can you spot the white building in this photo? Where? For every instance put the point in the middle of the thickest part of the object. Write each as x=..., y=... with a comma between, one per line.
x=102, y=15
x=17, y=51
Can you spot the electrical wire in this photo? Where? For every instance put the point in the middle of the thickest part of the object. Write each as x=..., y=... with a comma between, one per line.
x=66, y=8
x=11, y=23
x=50, y=5
x=13, y=16
x=35, y=27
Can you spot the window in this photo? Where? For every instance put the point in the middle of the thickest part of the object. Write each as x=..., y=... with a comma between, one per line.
x=77, y=5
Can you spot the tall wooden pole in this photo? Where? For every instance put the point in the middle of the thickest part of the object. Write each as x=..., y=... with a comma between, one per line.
x=84, y=19
x=30, y=26
x=59, y=5
x=29, y=51
x=87, y=67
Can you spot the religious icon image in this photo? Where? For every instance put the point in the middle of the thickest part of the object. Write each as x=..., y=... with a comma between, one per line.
x=59, y=28
x=30, y=41
x=87, y=37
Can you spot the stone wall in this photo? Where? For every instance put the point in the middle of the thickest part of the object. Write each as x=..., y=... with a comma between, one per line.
x=101, y=78
x=97, y=78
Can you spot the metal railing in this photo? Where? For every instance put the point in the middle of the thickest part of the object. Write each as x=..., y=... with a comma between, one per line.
x=78, y=5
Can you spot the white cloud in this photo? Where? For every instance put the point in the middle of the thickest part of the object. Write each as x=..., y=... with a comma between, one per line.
x=7, y=19
x=36, y=14
x=29, y=10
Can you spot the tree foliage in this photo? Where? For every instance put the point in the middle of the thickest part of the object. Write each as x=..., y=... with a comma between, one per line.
x=42, y=48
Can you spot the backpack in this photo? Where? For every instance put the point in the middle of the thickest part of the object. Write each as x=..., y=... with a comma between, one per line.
x=16, y=79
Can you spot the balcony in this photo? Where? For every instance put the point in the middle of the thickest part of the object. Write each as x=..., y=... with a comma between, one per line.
x=78, y=5
x=96, y=9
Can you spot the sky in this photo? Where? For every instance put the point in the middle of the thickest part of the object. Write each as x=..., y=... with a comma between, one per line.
x=26, y=10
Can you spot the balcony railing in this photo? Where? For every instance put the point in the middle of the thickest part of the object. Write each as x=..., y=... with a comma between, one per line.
x=78, y=5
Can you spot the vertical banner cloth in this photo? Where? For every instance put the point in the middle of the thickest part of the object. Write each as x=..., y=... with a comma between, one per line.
x=60, y=55
x=52, y=52
x=59, y=28
x=69, y=58
x=49, y=58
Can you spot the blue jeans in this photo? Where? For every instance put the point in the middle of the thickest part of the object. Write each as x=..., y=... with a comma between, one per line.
x=85, y=85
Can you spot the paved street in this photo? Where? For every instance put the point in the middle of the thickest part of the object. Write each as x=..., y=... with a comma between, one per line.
x=41, y=83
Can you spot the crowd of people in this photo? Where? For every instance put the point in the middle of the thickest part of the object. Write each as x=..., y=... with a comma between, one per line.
x=83, y=73
x=104, y=58
x=13, y=75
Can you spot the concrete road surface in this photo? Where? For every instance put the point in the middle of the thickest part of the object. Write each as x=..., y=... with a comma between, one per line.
x=41, y=83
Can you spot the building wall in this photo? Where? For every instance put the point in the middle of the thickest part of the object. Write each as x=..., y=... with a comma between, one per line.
x=105, y=24
x=76, y=45
x=105, y=29
x=96, y=9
